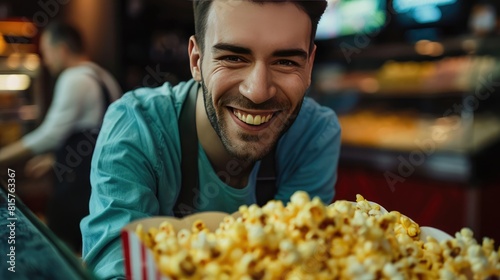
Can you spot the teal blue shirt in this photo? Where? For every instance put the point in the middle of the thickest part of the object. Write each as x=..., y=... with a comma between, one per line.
x=136, y=168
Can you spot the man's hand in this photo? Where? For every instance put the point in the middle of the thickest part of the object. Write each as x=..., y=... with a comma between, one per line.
x=39, y=166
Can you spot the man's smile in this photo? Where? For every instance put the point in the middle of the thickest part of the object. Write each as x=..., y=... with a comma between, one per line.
x=252, y=118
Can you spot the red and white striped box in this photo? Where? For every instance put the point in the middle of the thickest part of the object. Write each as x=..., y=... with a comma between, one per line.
x=139, y=260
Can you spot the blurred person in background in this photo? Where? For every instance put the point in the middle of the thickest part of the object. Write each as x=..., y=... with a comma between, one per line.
x=251, y=64
x=65, y=140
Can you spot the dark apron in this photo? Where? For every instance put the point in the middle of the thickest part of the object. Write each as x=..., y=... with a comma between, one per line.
x=70, y=199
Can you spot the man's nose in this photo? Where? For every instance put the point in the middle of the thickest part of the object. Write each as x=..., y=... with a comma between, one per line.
x=258, y=86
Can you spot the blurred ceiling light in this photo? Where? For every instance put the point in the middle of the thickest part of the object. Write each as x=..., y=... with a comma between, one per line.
x=14, y=61
x=31, y=61
x=14, y=82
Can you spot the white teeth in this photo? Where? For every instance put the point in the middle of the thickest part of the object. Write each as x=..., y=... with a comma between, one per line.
x=249, y=119
x=253, y=120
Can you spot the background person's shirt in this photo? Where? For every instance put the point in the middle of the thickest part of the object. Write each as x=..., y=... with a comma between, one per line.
x=78, y=104
x=136, y=170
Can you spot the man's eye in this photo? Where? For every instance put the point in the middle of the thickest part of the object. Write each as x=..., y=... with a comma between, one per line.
x=286, y=62
x=232, y=59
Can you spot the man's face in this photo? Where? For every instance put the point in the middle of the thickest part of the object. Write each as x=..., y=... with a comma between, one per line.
x=51, y=54
x=255, y=68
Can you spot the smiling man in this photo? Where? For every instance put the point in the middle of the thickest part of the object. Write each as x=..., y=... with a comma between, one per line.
x=251, y=63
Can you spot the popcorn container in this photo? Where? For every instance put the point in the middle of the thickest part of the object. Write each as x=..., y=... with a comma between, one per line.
x=139, y=260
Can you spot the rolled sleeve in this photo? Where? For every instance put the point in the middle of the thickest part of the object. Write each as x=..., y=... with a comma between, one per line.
x=123, y=187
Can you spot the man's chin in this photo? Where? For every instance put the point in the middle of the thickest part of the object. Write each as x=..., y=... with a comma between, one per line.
x=249, y=152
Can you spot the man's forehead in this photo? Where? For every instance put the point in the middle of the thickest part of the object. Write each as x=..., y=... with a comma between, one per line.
x=229, y=5
x=234, y=3
x=237, y=21
x=219, y=8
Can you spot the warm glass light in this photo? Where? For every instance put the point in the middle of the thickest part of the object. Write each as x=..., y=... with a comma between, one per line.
x=14, y=60
x=31, y=62
x=14, y=82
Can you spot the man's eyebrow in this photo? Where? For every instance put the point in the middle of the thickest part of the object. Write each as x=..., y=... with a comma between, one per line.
x=232, y=48
x=242, y=50
x=291, y=52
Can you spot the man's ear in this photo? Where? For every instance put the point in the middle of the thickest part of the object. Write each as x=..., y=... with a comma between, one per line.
x=194, y=59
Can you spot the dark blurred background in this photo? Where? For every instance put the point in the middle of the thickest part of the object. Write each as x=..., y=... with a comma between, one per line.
x=415, y=85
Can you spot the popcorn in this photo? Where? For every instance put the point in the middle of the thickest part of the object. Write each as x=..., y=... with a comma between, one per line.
x=306, y=239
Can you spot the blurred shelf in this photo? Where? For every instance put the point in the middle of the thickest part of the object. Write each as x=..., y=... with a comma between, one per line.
x=354, y=50
x=408, y=131
x=449, y=76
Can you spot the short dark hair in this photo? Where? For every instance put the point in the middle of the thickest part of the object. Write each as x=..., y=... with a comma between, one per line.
x=313, y=8
x=61, y=32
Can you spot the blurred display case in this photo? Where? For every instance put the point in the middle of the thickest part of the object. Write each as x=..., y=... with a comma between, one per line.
x=20, y=86
x=419, y=119
x=429, y=99
x=22, y=103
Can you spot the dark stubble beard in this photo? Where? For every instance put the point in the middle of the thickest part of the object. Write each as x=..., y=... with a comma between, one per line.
x=269, y=141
